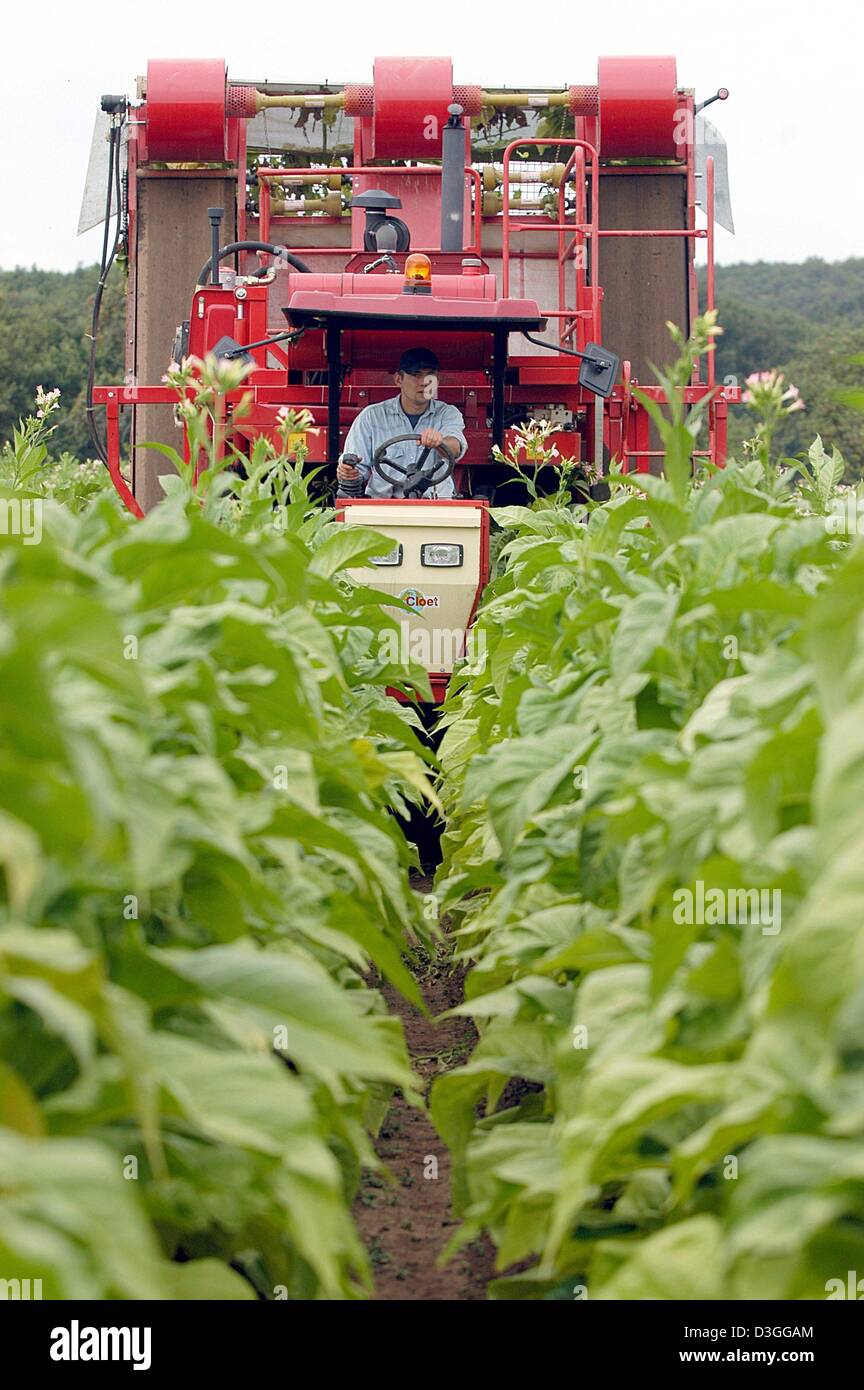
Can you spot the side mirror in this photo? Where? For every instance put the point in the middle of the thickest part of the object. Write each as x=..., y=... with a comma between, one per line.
x=599, y=369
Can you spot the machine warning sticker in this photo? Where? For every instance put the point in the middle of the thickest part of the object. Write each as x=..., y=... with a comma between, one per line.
x=415, y=598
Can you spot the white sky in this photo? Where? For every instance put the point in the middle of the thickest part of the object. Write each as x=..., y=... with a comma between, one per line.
x=791, y=122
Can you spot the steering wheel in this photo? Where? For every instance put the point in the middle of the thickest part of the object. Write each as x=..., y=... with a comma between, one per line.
x=411, y=478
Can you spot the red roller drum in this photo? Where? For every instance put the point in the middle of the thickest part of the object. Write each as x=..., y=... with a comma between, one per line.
x=186, y=110
x=639, y=106
x=411, y=100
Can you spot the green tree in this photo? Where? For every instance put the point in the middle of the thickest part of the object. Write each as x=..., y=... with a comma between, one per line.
x=44, y=340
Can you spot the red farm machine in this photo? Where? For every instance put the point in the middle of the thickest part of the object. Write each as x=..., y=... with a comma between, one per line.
x=536, y=241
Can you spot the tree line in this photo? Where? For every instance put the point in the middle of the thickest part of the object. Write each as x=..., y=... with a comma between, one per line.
x=45, y=340
x=808, y=320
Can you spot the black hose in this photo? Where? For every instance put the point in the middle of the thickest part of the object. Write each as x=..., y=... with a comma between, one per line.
x=114, y=186
x=281, y=251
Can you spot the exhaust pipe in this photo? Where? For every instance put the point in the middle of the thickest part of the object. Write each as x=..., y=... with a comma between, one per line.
x=453, y=182
x=215, y=215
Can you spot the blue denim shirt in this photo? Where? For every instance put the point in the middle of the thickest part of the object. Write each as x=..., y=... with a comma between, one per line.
x=385, y=419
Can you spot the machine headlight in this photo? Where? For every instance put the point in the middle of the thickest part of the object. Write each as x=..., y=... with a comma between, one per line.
x=441, y=556
x=393, y=557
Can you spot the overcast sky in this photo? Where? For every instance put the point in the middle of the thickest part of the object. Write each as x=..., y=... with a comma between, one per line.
x=791, y=122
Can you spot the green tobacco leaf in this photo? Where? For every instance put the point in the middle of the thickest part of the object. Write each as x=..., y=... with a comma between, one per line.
x=19, y=1109
x=67, y=1211
x=56, y=977
x=208, y=1281
x=519, y=779
x=683, y=1263
x=296, y=1008
x=758, y=595
x=236, y=1098
x=348, y=546
x=642, y=627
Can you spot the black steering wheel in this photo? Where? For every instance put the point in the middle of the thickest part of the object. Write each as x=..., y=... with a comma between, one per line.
x=411, y=478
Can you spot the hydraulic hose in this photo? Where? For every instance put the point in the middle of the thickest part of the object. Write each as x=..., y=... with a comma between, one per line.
x=114, y=187
x=282, y=251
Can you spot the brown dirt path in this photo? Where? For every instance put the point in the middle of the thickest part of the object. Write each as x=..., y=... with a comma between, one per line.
x=406, y=1222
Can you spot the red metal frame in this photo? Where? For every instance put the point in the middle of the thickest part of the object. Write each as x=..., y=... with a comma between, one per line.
x=633, y=101
x=266, y=218
x=577, y=316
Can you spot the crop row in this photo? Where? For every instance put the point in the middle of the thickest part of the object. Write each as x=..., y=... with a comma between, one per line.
x=654, y=863
x=200, y=868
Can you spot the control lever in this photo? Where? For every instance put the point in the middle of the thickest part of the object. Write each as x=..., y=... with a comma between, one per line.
x=721, y=94
x=387, y=260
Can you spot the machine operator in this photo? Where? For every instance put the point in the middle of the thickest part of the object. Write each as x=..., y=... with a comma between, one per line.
x=416, y=410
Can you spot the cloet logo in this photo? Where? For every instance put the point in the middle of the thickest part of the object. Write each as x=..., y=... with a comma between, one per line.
x=415, y=598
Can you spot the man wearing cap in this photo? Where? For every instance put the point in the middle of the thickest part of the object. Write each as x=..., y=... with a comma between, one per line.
x=416, y=410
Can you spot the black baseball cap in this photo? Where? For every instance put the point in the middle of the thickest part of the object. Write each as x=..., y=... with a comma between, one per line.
x=418, y=360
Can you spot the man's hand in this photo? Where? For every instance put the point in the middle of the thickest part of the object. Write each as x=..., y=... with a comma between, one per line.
x=346, y=472
x=431, y=438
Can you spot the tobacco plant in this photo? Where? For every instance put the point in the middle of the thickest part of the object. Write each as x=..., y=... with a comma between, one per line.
x=202, y=880
x=664, y=1103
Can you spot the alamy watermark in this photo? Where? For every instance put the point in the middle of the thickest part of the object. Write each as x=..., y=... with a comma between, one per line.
x=21, y=516
x=846, y=517
x=77, y=1343
x=435, y=648
x=20, y=1290
x=711, y=907
x=851, y=1287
